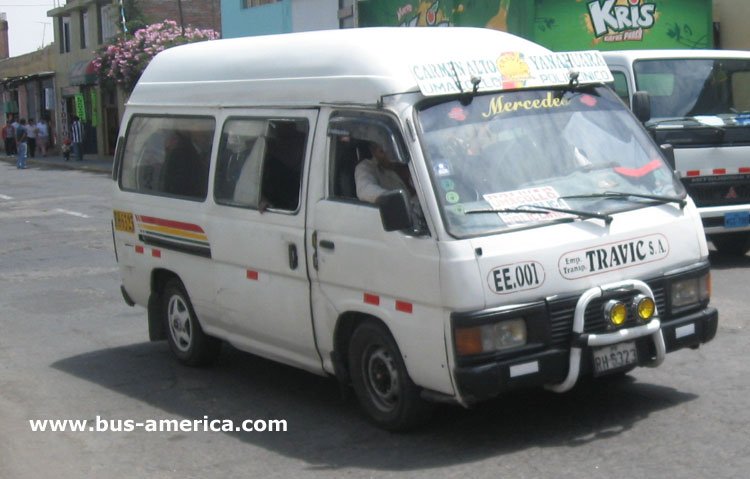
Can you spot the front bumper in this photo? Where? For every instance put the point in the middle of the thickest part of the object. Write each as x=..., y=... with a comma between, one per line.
x=552, y=366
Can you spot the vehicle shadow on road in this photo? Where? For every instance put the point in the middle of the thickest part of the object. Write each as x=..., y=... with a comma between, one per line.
x=723, y=261
x=330, y=433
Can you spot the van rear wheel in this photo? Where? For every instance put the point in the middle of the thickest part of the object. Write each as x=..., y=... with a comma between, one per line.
x=381, y=382
x=186, y=338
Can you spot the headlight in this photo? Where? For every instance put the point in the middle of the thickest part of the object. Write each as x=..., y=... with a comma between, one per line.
x=691, y=291
x=490, y=337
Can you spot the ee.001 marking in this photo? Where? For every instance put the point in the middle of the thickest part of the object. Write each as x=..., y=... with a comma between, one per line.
x=515, y=277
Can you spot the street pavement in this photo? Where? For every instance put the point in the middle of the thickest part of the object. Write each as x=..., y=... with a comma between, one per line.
x=94, y=163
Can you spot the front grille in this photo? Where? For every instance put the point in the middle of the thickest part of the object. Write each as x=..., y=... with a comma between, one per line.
x=718, y=190
x=561, y=313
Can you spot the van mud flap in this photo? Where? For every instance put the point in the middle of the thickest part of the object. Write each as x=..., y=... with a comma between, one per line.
x=581, y=340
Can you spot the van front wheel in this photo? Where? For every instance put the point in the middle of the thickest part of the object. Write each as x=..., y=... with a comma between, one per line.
x=380, y=380
x=186, y=338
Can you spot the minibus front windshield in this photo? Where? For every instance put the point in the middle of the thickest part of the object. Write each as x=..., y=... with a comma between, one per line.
x=523, y=159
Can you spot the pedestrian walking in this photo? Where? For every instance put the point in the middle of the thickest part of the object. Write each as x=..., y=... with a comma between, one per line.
x=31, y=138
x=76, y=135
x=21, y=144
x=42, y=136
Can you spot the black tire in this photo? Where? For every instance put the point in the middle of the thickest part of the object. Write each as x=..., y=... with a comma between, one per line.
x=186, y=338
x=381, y=382
x=732, y=244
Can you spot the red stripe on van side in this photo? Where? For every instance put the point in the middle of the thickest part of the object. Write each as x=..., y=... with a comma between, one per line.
x=372, y=299
x=156, y=253
x=744, y=169
x=404, y=307
x=253, y=275
x=693, y=173
x=720, y=171
x=139, y=249
x=171, y=224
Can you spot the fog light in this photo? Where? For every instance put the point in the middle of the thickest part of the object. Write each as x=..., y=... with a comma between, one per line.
x=644, y=307
x=490, y=337
x=616, y=313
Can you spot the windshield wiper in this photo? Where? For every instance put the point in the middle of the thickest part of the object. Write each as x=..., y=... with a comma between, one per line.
x=506, y=210
x=681, y=121
x=545, y=210
x=619, y=195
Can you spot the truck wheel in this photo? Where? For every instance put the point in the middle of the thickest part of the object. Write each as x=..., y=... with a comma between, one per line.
x=184, y=333
x=734, y=244
x=380, y=380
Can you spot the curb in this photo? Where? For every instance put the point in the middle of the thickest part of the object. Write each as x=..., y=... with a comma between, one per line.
x=92, y=166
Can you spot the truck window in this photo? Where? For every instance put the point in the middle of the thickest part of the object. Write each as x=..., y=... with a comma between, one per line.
x=260, y=163
x=620, y=86
x=168, y=156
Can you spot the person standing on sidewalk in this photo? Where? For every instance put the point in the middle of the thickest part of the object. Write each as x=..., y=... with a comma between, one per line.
x=42, y=135
x=31, y=138
x=21, y=145
x=9, y=135
x=76, y=135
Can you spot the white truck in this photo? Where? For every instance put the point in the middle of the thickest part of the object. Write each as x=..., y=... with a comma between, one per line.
x=700, y=104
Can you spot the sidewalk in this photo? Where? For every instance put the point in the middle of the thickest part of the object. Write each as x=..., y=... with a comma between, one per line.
x=93, y=163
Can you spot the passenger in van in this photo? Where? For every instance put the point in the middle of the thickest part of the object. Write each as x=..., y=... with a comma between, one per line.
x=282, y=175
x=186, y=165
x=379, y=174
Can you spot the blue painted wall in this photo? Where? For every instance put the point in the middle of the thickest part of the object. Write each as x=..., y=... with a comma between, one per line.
x=237, y=21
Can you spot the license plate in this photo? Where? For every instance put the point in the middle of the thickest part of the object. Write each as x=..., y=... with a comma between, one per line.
x=614, y=358
x=738, y=219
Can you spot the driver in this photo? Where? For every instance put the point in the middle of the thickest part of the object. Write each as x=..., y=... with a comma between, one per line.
x=378, y=174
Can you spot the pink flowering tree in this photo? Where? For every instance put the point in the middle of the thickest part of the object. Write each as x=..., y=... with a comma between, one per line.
x=123, y=61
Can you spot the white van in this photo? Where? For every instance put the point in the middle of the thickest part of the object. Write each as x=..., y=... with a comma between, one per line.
x=539, y=236
x=700, y=104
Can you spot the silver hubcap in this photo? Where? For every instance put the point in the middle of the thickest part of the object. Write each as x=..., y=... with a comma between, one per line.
x=382, y=378
x=180, y=327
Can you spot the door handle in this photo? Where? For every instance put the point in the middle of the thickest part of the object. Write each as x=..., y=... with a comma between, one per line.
x=293, y=258
x=327, y=244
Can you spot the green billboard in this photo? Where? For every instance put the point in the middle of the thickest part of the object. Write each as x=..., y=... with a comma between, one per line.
x=623, y=24
x=560, y=24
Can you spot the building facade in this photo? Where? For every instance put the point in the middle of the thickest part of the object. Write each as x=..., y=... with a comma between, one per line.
x=241, y=18
x=82, y=27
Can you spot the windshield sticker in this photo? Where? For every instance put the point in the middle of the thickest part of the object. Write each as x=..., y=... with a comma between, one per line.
x=510, y=70
x=516, y=277
x=458, y=114
x=589, y=100
x=639, y=172
x=613, y=256
x=499, y=106
x=544, y=196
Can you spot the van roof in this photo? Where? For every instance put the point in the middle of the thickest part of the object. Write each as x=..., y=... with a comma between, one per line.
x=350, y=66
x=628, y=56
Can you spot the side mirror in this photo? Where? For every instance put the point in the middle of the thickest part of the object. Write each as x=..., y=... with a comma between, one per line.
x=668, y=151
x=395, y=212
x=642, y=106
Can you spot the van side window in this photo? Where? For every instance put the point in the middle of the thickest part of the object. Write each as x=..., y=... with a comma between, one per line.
x=352, y=139
x=168, y=156
x=260, y=163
